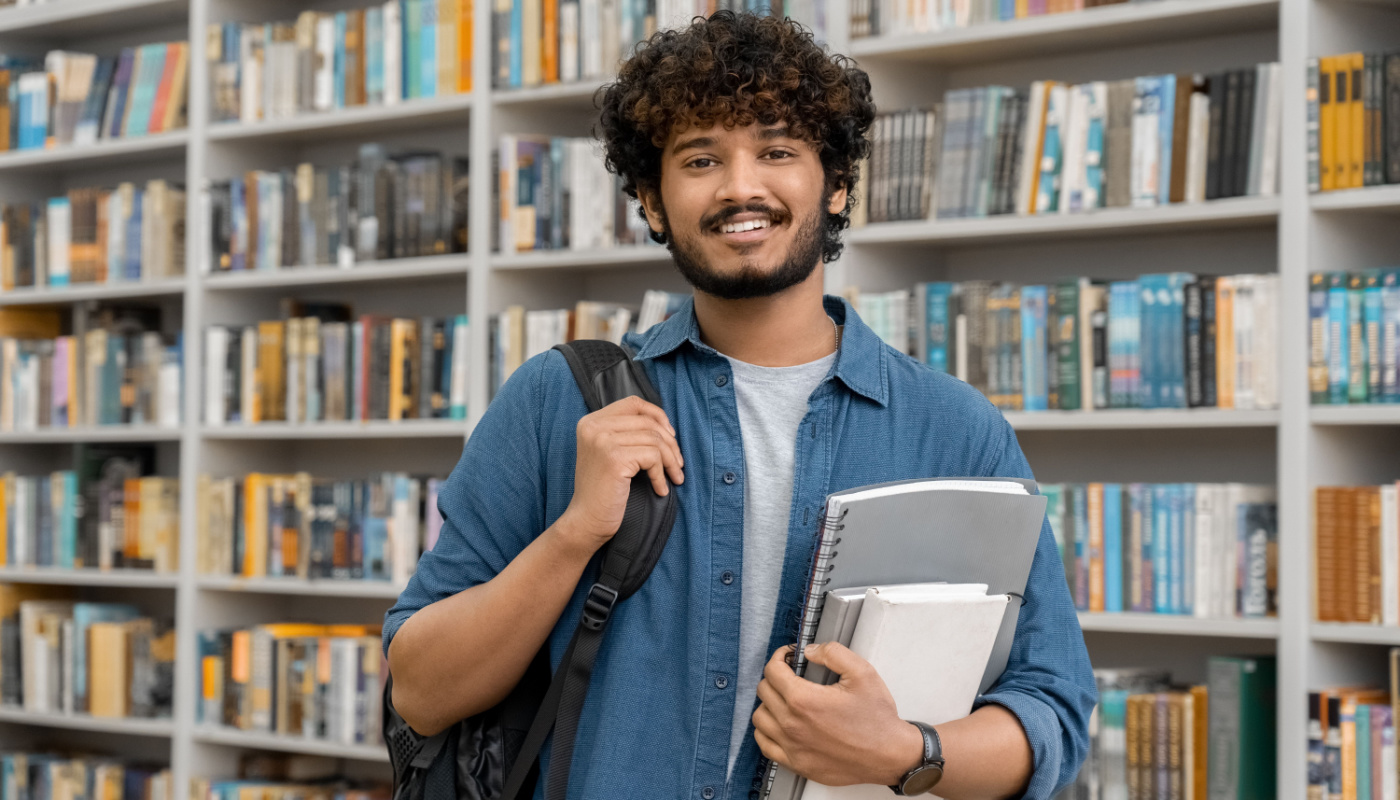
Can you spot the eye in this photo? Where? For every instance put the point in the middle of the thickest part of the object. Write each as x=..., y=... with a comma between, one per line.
x=699, y=163
x=779, y=154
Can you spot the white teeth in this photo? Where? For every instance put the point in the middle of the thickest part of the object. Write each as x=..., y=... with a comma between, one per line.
x=740, y=227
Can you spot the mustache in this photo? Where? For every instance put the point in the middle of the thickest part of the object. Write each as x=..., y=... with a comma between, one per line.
x=714, y=221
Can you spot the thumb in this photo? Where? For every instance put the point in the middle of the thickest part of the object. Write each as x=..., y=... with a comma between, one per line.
x=838, y=658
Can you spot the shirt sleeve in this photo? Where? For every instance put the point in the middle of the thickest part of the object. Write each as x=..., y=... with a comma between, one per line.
x=1048, y=683
x=493, y=503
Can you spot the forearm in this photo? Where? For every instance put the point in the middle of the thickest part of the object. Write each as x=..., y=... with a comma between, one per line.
x=986, y=754
x=463, y=654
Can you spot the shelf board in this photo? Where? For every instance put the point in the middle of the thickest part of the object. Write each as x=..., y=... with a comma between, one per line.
x=213, y=734
x=1092, y=29
x=1371, y=198
x=296, y=586
x=1361, y=414
x=107, y=152
x=92, y=433
x=629, y=255
x=132, y=578
x=1354, y=632
x=1137, y=419
x=1179, y=625
x=75, y=19
x=401, y=269
x=92, y=291
x=133, y=726
x=555, y=97
x=405, y=115
x=375, y=429
x=1237, y=212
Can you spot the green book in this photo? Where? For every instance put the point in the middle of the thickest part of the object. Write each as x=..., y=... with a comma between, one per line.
x=1242, y=758
x=1067, y=344
x=1363, y=752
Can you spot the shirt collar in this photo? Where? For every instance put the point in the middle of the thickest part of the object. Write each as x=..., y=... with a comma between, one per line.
x=860, y=364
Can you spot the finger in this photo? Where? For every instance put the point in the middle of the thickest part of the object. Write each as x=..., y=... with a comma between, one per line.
x=773, y=701
x=770, y=749
x=636, y=406
x=636, y=431
x=767, y=723
x=838, y=658
x=777, y=672
x=657, y=473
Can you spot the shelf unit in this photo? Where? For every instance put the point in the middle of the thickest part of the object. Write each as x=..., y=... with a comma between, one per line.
x=1295, y=446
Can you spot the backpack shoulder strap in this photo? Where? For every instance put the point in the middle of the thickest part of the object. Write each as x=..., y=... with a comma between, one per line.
x=605, y=373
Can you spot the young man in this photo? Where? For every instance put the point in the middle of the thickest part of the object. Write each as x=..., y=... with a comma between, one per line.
x=741, y=138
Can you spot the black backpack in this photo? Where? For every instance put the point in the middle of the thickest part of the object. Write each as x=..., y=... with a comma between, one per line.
x=494, y=755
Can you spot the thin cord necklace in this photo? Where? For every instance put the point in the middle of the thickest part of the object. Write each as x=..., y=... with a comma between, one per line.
x=836, y=329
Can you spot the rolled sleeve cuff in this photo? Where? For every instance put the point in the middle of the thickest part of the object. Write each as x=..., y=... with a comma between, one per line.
x=1042, y=728
x=392, y=622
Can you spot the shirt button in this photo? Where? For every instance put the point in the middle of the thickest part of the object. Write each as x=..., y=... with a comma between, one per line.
x=727, y=578
x=721, y=682
x=753, y=795
x=708, y=793
x=721, y=380
x=729, y=477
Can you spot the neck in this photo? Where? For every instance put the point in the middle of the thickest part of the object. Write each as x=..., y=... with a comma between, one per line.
x=782, y=330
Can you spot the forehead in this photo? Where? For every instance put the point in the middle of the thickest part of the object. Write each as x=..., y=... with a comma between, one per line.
x=698, y=136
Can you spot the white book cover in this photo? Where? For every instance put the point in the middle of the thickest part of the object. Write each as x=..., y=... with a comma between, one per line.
x=1203, y=529
x=323, y=83
x=35, y=663
x=1244, y=341
x=1265, y=341
x=1390, y=552
x=568, y=42
x=1030, y=149
x=590, y=44
x=1146, y=168
x=1198, y=139
x=908, y=633
x=1227, y=553
x=60, y=222
x=168, y=397
x=1075, y=141
x=215, y=354
x=1268, y=160
x=1258, y=123
x=249, y=369
x=393, y=53
x=461, y=339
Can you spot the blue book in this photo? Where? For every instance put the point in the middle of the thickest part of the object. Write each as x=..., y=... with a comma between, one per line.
x=84, y=615
x=427, y=55
x=120, y=93
x=1161, y=548
x=938, y=318
x=458, y=410
x=1338, y=338
x=1356, y=362
x=374, y=55
x=132, y=257
x=1318, y=335
x=517, y=23
x=1176, y=546
x=337, y=64
x=151, y=58
x=1371, y=324
x=1188, y=548
x=376, y=537
x=1390, y=336
x=1035, y=386
x=1150, y=289
x=1052, y=152
x=67, y=523
x=1113, y=547
x=1094, y=148
x=239, y=207
x=1082, y=553
x=1164, y=141
x=43, y=535
x=1363, y=752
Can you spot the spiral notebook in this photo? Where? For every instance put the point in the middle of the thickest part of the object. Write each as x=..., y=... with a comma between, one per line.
x=958, y=530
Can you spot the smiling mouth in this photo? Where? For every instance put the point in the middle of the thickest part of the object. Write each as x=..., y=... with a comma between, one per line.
x=746, y=233
x=740, y=227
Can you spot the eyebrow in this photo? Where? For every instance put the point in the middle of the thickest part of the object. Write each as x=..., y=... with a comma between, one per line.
x=701, y=142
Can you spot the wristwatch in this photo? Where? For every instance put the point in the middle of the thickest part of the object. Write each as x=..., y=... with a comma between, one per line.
x=922, y=778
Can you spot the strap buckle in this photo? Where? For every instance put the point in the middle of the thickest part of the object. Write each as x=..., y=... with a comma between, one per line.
x=598, y=607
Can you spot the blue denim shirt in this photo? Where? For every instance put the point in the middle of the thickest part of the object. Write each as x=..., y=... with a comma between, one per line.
x=656, y=723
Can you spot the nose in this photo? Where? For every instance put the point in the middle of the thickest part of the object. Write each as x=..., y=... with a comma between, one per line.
x=742, y=183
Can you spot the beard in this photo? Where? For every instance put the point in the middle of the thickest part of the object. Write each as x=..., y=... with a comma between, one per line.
x=751, y=280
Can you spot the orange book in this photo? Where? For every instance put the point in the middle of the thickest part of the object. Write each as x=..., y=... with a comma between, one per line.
x=1096, y=583
x=272, y=370
x=1341, y=104
x=1357, y=108
x=1326, y=124
x=464, y=45
x=355, y=46
x=131, y=528
x=5, y=111
x=241, y=675
x=1346, y=553
x=167, y=79
x=1367, y=588
x=178, y=100
x=1325, y=554
x=1200, y=741
x=549, y=50
x=1224, y=342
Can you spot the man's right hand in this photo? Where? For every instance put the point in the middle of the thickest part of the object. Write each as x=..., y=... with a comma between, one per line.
x=616, y=443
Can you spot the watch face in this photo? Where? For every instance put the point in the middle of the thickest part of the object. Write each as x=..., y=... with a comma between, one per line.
x=923, y=780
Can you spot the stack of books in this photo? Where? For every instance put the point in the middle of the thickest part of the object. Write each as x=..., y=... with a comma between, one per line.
x=121, y=371
x=1354, y=327
x=80, y=98
x=1207, y=550
x=1152, y=739
x=883, y=17
x=67, y=657
x=50, y=776
x=1170, y=340
x=272, y=789
x=1353, y=127
x=554, y=193
x=383, y=205
x=326, y=680
x=1351, y=738
x=1356, y=539
x=322, y=364
x=1067, y=149
x=94, y=235
x=263, y=525
x=378, y=55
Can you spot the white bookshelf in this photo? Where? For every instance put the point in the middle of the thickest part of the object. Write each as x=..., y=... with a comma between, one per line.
x=1295, y=446
x=124, y=578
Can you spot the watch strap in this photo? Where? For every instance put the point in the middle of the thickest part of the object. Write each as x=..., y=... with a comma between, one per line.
x=932, y=754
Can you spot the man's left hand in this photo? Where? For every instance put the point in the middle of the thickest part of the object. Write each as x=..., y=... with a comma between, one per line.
x=843, y=734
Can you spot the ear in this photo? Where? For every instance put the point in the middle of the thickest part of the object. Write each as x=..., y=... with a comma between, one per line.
x=651, y=204
x=837, y=204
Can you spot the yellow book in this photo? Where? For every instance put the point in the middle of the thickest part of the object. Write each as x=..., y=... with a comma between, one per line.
x=1224, y=342
x=1326, y=124
x=447, y=61
x=1357, y=108
x=175, y=107
x=1096, y=578
x=26, y=323
x=1341, y=102
x=464, y=46
x=240, y=674
x=255, y=525
x=109, y=669
x=272, y=369
x=1200, y=742
x=397, y=382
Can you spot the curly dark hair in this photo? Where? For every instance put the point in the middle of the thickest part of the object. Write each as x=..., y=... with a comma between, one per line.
x=738, y=69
